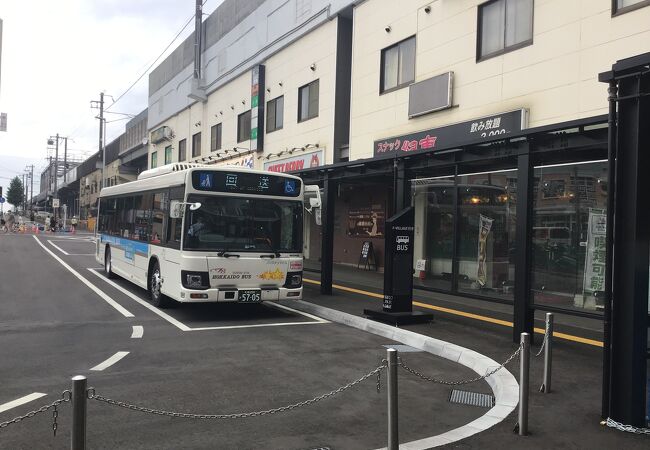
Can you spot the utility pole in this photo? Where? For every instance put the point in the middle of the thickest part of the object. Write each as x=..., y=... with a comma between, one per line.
x=65, y=159
x=31, y=189
x=100, y=104
x=23, y=193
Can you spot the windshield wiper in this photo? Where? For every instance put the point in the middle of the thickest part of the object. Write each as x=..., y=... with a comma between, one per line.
x=224, y=253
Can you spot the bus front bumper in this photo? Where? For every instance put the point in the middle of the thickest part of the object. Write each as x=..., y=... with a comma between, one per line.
x=231, y=295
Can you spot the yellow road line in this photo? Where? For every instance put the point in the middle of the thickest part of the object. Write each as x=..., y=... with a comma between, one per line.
x=456, y=312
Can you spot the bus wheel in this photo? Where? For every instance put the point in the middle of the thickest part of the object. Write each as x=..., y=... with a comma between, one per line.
x=108, y=266
x=155, y=285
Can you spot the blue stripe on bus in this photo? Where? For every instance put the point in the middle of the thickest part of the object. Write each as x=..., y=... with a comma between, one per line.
x=131, y=248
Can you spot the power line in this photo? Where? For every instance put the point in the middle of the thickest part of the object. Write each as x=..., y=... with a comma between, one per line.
x=154, y=62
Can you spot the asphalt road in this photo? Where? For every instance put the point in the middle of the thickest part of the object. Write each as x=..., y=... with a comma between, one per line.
x=58, y=321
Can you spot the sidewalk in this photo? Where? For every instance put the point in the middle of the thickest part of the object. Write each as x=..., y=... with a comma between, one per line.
x=568, y=417
x=373, y=282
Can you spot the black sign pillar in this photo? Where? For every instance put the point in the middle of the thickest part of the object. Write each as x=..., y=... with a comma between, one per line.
x=327, y=239
x=398, y=272
x=628, y=378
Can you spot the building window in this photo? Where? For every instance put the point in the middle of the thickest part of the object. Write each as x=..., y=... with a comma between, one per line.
x=308, y=101
x=623, y=6
x=168, y=154
x=182, y=152
x=275, y=114
x=215, y=137
x=244, y=126
x=398, y=65
x=196, y=145
x=503, y=26
x=154, y=159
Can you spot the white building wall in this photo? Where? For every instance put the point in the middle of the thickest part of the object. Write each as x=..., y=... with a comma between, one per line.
x=286, y=71
x=555, y=77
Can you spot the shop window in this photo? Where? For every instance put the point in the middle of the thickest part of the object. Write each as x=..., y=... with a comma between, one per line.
x=168, y=154
x=433, y=200
x=244, y=127
x=154, y=159
x=274, y=114
x=398, y=65
x=623, y=6
x=182, y=150
x=486, y=225
x=196, y=145
x=215, y=137
x=308, y=101
x=503, y=26
x=568, y=236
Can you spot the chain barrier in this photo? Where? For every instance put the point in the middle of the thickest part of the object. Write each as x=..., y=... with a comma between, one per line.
x=627, y=428
x=546, y=336
x=66, y=396
x=94, y=396
x=459, y=382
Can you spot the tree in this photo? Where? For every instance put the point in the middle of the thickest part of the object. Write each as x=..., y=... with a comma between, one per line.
x=15, y=192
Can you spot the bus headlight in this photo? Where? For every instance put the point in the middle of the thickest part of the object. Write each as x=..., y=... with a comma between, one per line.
x=294, y=280
x=195, y=280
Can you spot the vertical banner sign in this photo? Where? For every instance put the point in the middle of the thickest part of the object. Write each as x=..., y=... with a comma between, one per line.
x=484, y=227
x=3, y=121
x=257, y=108
x=594, y=279
x=398, y=264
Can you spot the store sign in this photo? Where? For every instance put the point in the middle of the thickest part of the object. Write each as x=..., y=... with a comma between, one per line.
x=296, y=163
x=594, y=278
x=464, y=133
x=244, y=161
x=257, y=108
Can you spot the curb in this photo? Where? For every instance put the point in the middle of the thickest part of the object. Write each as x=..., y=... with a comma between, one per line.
x=503, y=383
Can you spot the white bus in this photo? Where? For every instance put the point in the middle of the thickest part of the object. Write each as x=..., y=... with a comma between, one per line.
x=199, y=233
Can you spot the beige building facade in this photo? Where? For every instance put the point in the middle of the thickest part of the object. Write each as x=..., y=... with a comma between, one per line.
x=554, y=75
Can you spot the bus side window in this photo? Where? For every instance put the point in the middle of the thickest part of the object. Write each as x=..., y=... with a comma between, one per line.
x=142, y=213
x=174, y=226
x=158, y=214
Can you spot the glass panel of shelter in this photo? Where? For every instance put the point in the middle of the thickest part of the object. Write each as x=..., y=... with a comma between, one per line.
x=482, y=258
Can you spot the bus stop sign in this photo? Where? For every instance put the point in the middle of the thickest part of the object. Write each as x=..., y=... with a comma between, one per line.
x=398, y=272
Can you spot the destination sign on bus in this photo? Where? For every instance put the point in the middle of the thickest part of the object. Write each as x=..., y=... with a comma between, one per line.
x=245, y=183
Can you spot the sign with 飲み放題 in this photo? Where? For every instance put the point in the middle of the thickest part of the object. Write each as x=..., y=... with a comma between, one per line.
x=471, y=132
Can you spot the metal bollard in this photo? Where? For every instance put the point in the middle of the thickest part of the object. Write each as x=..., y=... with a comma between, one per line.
x=524, y=369
x=393, y=436
x=548, y=354
x=79, y=397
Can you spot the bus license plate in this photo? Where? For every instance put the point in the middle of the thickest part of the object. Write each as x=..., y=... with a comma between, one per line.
x=252, y=296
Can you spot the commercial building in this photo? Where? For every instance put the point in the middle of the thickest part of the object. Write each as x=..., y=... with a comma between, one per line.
x=487, y=117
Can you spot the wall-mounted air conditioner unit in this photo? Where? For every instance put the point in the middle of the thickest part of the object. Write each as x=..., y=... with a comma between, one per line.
x=161, y=134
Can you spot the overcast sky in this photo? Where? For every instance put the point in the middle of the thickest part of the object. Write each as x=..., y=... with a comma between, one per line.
x=58, y=55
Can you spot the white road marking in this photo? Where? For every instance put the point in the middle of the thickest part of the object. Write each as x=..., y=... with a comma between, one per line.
x=295, y=311
x=142, y=302
x=21, y=401
x=138, y=331
x=81, y=254
x=110, y=361
x=181, y=326
x=58, y=248
x=260, y=325
x=94, y=288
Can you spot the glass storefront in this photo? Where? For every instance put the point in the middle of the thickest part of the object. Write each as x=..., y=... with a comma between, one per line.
x=568, y=235
x=484, y=204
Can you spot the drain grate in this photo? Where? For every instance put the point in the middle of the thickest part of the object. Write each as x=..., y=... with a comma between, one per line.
x=471, y=398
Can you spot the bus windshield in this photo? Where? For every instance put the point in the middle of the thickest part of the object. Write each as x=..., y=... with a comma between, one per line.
x=243, y=225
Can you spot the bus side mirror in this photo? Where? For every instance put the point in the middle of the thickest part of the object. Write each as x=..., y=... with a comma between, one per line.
x=313, y=201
